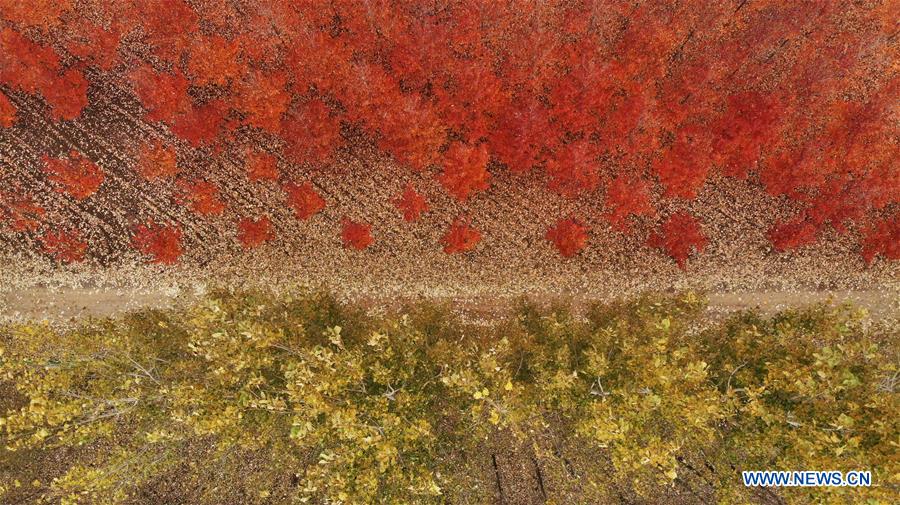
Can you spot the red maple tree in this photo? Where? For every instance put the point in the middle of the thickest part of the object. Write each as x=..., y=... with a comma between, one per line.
x=882, y=238
x=569, y=236
x=461, y=237
x=7, y=111
x=797, y=232
x=253, y=233
x=679, y=236
x=201, y=124
x=162, y=243
x=263, y=98
x=202, y=196
x=304, y=199
x=356, y=235
x=34, y=13
x=311, y=134
x=214, y=60
x=163, y=95
x=157, y=161
x=411, y=204
x=574, y=169
x=465, y=170
x=76, y=175
x=261, y=166
x=66, y=246
x=627, y=196
x=20, y=211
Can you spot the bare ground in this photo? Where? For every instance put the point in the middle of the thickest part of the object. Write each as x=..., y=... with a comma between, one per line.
x=69, y=304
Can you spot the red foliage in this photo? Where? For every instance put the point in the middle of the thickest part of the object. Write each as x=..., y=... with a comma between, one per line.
x=626, y=197
x=310, y=133
x=574, y=169
x=161, y=243
x=163, y=95
x=77, y=176
x=255, y=232
x=65, y=246
x=786, y=173
x=24, y=64
x=882, y=238
x=40, y=13
x=520, y=135
x=411, y=203
x=214, y=60
x=304, y=199
x=261, y=166
x=569, y=236
x=461, y=237
x=683, y=167
x=21, y=211
x=355, y=235
x=203, y=197
x=679, y=236
x=95, y=45
x=66, y=94
x=200, y=124
x=156, y=161
x=747, y=125
x=7, y=111
x=797, y=232
x=465, y=170
x=412, y=133
x=567, y=88
x=168, y=25
x=32, y=67
x=263, y=98
x=839, y=201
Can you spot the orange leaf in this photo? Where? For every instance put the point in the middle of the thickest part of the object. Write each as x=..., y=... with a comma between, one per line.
x=461, y=237
x=203, y=197
x=465, y=170
x=411, y=204
x=161, y=243
x=261, y=166
x=303, y=199
x=7, y=111
x=78, y=176
x=21, y=211
x=569, y=236
x=157, y=161
x=254, y=232
x=64, y=246
x=356, y=235
x=679, y=236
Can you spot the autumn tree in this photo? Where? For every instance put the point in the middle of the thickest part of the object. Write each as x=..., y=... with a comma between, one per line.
x=411, y=204
x=356, y=235
x=304, y=199
x=162, y=243
x=679, y=236
x=75, y=175
x=679, y=95
x=461, y=237
x=569, y=236
x=253, y=233
x=238, y=389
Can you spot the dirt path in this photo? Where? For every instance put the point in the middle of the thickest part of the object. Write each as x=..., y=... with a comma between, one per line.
x=66, y=304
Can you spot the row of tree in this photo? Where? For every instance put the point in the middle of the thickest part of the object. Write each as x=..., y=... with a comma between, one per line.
x=654, y=98
x=254, y=398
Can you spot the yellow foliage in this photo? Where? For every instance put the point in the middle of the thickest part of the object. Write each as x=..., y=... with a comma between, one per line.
x=365, y=409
